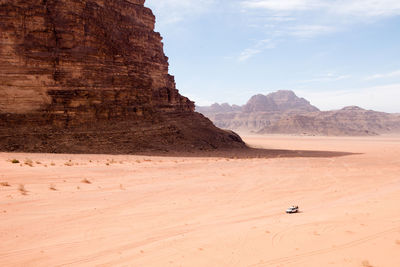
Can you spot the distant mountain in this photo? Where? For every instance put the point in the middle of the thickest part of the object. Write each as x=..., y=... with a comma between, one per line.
x=217, y=108
x=281, y=101
x=283, y=112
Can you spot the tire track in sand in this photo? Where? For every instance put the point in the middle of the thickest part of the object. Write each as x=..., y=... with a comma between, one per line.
x=292, y=259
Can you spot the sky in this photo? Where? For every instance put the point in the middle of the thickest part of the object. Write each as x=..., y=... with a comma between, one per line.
x=334, y=53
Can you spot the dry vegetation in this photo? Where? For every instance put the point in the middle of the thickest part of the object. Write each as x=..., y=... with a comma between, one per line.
x=69, y=163
x=28, y=162
x=366, y=263
x=250, y=195
x=112, y=161
x=53, y=187
x=22, y=189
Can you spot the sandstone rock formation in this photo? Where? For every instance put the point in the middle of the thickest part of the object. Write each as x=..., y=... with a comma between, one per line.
x=91, y=76
x=349, y=121
x=281, y=101
x=259, y=112
x=285, y=113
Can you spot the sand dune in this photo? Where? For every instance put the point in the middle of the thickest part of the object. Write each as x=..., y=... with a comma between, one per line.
x=100, y=210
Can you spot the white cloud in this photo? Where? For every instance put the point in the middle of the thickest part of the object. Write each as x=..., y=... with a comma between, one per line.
x=298, y=31
x=359, y=8
x=329, y=77
x=309, y=31
x=379, y=98
x=174, y=11
x=384, y=75
x=307, y=19
x=366, y=8
x=248, y=53
x=281, y=5
x=259, y=47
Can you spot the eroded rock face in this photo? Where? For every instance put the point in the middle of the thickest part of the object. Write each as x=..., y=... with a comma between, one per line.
x=91, y=70
x=285, y=113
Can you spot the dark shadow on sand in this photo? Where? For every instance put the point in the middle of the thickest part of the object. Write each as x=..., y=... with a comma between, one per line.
x=250, y=153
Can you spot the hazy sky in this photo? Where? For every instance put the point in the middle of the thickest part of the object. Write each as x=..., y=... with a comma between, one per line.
x=335, y=53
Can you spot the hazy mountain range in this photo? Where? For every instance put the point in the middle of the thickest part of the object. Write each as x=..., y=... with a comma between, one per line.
x=283, y=112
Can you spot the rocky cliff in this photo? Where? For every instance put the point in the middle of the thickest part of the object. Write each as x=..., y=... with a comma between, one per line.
x=349, y=121
x=91, y=76
x=285, y=113
x=280, y=101
x=259, y=112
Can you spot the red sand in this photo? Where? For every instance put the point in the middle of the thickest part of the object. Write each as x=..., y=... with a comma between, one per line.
x=159, y=211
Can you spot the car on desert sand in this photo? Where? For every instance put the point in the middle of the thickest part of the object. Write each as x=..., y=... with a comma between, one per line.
x=293, y=209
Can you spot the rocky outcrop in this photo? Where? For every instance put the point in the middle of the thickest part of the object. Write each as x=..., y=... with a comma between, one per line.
x=91, y=76
x=349, y=121
x=219, y=108
x=284, y=113
x=280, y=101
x=259, y=112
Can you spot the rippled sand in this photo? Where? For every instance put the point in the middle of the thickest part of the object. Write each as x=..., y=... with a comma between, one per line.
x=88, y=210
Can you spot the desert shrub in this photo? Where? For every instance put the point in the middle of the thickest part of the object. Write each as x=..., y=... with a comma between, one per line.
x=366, y=264
x=5, y=184
x=53, y=187
x=28, y=162
x=14, y=161
x=86, y=181
x=22, y=189
x=69, y=163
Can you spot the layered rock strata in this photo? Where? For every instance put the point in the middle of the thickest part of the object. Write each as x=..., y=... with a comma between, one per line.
x=283, y=112
x=91, y=76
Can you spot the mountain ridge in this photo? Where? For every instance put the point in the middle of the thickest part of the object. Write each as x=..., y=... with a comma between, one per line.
x=283, y=112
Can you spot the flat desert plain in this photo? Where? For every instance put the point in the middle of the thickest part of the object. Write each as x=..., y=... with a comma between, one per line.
x=102, y=210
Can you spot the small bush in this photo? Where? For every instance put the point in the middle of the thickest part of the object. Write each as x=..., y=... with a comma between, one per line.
x=53, y=187
x=69, y=163
x=366, y=264
x=5, y=184
x=86, y=181
x=29, y=162
x=15, y=161
x=22, y=189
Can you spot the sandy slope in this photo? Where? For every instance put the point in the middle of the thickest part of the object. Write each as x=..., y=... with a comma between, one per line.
x=158, y=211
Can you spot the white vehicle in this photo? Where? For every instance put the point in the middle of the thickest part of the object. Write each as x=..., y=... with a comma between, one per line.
x=293, y=209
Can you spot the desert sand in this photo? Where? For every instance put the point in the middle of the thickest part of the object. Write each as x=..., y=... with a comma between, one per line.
x=102, y=210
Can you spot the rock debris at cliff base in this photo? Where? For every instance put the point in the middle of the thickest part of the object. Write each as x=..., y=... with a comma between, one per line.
x=91, y=76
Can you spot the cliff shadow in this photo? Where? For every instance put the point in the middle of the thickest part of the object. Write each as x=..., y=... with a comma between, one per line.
x=251, y=153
